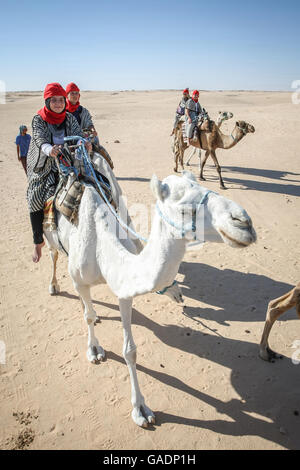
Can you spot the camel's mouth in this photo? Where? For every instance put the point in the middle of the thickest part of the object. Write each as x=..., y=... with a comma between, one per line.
x=233, y=240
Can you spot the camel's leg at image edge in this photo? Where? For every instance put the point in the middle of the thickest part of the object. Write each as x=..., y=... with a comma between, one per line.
x=94, y=352
x=141, y=414
x=276, y=308
x=53, y=287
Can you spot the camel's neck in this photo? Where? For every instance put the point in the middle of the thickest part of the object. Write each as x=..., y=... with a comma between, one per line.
x=229, y=141
x=154, y=268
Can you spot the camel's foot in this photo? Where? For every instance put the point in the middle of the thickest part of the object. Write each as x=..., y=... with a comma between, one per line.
x=175, y=169
x=222, y=186
x=187, y=164
x=268, y=355
x=95, y=353
x=54, y=289
x=202, y=178
x=142, y=416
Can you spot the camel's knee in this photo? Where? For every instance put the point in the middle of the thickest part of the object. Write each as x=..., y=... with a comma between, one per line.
x=273, y=313
x=90, y=316
x=130, y=355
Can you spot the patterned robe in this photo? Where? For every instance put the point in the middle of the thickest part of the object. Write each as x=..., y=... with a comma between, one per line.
x=86, y=119
x=41, y=169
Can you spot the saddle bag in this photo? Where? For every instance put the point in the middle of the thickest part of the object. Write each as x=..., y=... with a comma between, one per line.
x=68, y=197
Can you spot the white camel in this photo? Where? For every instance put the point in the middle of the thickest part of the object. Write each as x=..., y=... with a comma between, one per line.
x=222, y=116
x=100, y=254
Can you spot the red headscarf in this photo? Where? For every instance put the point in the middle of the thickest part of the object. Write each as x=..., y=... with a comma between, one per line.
x=72, y=107
x=186, y=90
x=195, y=95
x=53, y=89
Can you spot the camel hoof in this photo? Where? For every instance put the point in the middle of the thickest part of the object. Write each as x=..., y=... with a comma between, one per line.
x=175, y=169
x=222, y=187
x=201, y=178
x=143, y=416
x=187, y=164
x=269, y=355
x=95, y=354
x=54, y=289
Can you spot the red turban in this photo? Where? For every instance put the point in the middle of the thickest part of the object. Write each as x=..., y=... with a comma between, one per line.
x=72, y=107
x=186, y=90
x=71, y=87
x=195, y=95
x=53, y=89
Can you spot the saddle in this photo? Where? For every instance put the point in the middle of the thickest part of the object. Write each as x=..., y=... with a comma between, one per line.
x=73, y=175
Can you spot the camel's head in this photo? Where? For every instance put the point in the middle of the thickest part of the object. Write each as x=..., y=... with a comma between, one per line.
x=190, y=209
x=244, y=128
x=224, y=116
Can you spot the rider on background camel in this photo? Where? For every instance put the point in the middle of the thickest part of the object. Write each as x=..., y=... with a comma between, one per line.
x=181, y=108
x=192, y=112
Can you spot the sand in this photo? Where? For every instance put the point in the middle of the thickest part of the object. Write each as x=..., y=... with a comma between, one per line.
x=198, y=366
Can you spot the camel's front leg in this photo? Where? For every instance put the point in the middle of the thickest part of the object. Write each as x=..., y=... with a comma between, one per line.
x=199, y=156
x=95, y=352
x=202, y=165
x=214, y=157
x=53, y=286
x=141, y=414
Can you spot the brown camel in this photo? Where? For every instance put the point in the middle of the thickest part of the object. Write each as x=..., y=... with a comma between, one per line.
x=276, y=308
x=210, y=139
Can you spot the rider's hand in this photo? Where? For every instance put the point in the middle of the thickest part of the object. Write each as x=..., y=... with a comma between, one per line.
x=55, y=151
x=88, y=146
x=189, y=120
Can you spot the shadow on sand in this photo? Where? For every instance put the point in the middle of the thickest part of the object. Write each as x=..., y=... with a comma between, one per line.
x=289, y=189
x=269, y=391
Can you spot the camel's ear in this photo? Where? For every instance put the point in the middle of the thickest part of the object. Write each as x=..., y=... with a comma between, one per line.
x=159, y=190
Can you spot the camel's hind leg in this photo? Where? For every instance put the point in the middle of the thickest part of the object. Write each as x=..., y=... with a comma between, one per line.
x=53, y=286
x=95, y=352
x=141, y=414
x=276, y=308
x=193, y=152
x=176, y=151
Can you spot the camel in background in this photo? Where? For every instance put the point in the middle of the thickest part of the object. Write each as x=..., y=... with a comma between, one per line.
x=210, y=141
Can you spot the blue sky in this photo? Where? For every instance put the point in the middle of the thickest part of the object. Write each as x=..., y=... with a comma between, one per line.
x=118, y=45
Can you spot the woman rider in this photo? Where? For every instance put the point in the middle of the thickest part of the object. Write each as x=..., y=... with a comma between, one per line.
x=192, y=111
x=84, y=119
x=74, y=107
x=181, y=108
x=49, y=127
